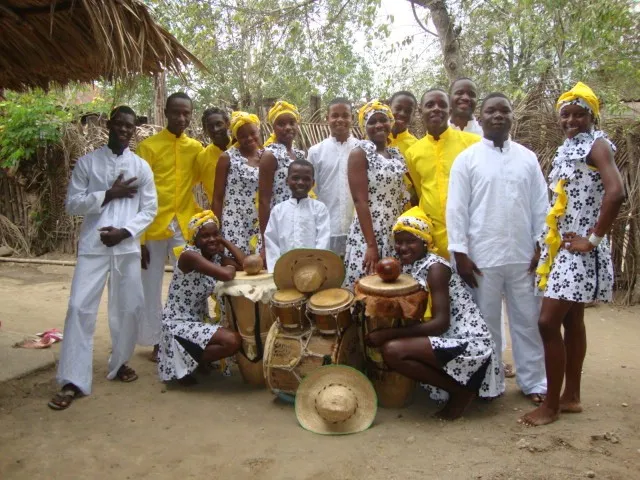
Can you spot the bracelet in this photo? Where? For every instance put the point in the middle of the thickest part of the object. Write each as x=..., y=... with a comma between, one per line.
x=595, y=240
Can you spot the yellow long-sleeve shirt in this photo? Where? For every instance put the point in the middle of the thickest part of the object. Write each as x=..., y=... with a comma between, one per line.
x=403, y=141
x=173, y=161
x=429, y=162
x=207, y=162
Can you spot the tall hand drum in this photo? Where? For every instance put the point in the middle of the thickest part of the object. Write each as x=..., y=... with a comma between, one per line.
x=247, y=309
x=389, y=305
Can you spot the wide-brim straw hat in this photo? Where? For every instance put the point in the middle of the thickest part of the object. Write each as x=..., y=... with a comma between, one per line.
x=308, y=270
x=336, y=400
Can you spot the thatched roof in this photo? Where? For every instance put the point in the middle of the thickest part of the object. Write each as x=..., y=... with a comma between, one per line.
x=58, y=41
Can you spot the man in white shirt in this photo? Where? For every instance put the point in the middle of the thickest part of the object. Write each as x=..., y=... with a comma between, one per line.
x=330, y=158
x=300, y=222
x=464, y=98
x=113, y=189
x=495, y=212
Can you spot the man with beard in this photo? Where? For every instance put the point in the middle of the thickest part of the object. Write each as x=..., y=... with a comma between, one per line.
x=113, y=189
x=496, y=211
x=429, y=161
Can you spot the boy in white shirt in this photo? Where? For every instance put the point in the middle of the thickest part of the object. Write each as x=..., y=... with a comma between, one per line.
x=300, y=222
x=329, y=159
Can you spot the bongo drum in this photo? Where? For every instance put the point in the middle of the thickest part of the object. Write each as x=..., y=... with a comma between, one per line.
x=330, y=310
x=247, y=311
x=389, y=305
x=289, y=355
x=289, y=307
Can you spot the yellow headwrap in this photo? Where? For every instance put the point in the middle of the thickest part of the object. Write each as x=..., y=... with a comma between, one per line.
x=584, y=97
x=239, y=119
x=280, y=108
x=198, y=221
x=374, y=106
x=417, y=223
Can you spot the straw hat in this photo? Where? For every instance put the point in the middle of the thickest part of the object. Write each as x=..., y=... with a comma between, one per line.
x=336, y=400
x=308, y=270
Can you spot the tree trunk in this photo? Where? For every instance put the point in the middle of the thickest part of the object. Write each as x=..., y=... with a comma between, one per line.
x=448, y=35
x=159, y=99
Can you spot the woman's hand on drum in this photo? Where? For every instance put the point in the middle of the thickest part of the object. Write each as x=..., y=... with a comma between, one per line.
x=378, y=337
x=371, y=258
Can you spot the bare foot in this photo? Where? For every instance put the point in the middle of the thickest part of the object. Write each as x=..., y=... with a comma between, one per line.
x=570, y=404
x=536, y=398
x=542, y=415
x=188, y=381
x=456, y=406
x=509, y=372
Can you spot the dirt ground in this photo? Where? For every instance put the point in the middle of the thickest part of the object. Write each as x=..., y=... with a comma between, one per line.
x=224, y=429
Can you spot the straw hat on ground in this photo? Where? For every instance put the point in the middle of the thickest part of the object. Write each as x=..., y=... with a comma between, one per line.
x=336, y=400
x=308, y=270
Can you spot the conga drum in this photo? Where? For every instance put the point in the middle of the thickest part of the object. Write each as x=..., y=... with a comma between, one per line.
x=289, y=355
x=330, y=310
x=389, y=305
x=247, y=310
x=289, y=308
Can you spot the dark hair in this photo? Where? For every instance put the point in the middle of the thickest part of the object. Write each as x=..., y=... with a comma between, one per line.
x=302, y=163
x=494, y=95
x=435, y=89
x=459, y=79
x=340, y=101
x=214, y=111
x=122, y=109
x=178, y=95
x=406, y=93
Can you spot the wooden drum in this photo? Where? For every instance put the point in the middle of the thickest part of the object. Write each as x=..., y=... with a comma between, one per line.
x=330, y=310
x=247, y=311
x=290, y=355
x=289, y=307
x=389, y=305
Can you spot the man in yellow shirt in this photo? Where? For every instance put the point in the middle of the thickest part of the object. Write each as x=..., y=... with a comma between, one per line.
x=215, y=122
x=429, y=161
x=172, y=158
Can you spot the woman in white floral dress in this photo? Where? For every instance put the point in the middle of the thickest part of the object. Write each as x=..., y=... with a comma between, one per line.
x=452, y=354
x=575, y=266
x=186, y=341
x=375, y=174
x=237, y=182
x=274, y=164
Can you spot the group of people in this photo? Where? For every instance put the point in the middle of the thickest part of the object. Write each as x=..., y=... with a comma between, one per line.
x=465, y=209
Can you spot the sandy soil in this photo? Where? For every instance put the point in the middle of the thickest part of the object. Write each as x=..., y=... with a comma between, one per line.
x=225, y=429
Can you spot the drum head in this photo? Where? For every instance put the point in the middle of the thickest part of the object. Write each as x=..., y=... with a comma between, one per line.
x=268, y=352
x=288, y=296
x=373, y=285
x=244, y=277
x=330, y=300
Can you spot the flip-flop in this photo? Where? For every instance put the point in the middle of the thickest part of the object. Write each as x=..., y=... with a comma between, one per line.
x=63, y=399
x=126, y=374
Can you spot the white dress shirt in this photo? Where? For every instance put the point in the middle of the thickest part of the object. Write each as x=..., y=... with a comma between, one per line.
x=330, y=159
x=497, y=204
x=472, y=127
x=92, y=176
x=293, y=224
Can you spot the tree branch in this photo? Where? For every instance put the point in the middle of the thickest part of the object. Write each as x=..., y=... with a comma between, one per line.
x=415, y=15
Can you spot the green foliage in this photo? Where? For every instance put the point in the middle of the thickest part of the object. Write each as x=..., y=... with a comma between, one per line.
x=35, y=120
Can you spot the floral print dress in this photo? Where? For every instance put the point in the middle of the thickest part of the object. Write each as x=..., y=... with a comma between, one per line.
x=239, y=213
x=281, y=190
x=184, y=333
x=466, y=350
x=575, y=276
x=387, y=197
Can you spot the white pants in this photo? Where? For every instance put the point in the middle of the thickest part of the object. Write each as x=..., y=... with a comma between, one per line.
x=125, y=311
x=159, y=250
x=516, y=284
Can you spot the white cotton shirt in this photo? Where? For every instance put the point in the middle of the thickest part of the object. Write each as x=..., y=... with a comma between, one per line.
x=330, y=159
x=497, y=204
x=472, y=127
x=92, y=176
x=293, y=224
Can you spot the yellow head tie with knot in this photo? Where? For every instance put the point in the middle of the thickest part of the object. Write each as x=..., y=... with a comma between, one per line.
x=198, y=221
x=580, y=95
x=416, y=222
x=280, y=108
x=240, y=119
x=371, y=108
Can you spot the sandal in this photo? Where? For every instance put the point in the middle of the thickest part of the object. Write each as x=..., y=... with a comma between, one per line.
x=126, y=374
x=508, y=370
x=536, y=398
x=64, y=398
